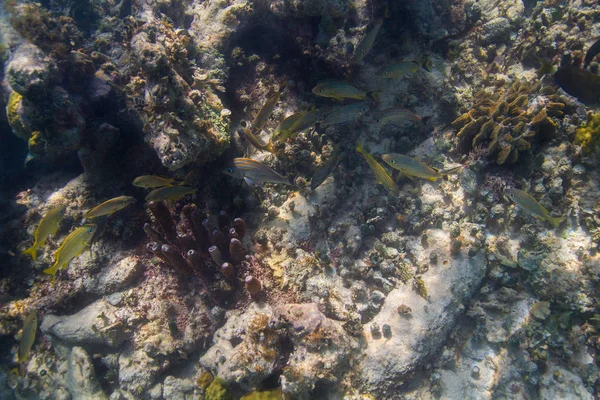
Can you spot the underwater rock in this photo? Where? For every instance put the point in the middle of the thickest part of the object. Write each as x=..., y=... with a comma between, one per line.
x=81, y=377
x=559, y=383
x=387, y=362
x=115, y=276
x=496, y=31
x=30, y=73
x=177, y=389
x=96, y=324
x=137, y=370
x=320, y=347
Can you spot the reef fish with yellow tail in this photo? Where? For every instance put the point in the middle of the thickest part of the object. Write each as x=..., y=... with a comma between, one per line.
x=345, y=114
x=110, y=207
x=171, y=193
x=74, y=244
x=396, y=115
x=398, y=70
x=254, y=172
x=287, y=126
x=532, y=206
x=153, y=182
x=27, y=338
x=256, y=143
x=366, y=44
x=339, y=90
x=48, y=226
x=382, y=177
x=579, y=83
x=265, y=112
x=411, y=167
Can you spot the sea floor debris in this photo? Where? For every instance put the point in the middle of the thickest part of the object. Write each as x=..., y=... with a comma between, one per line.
x=299, y=200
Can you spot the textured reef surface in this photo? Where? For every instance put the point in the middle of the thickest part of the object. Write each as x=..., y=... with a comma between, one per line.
x=299, y=199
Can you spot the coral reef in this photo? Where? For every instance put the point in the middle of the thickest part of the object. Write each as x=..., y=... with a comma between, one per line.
x=306, y=291
x=500, y=126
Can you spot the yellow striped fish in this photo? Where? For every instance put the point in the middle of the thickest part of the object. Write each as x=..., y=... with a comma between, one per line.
x=411, y=167
x=256, y=143
x=285, y=128
x=398, y=70
x=27, y=339
x=345, y=114
x=395, y=114
x=110, y=206
x=48, y=226
x=265, y=112
x=380, y=174
x=171, y=193
x=153, y=182
x=74, y=244
x=254, y=172
x=532, y=206
x=339, y=90
x=367, y=43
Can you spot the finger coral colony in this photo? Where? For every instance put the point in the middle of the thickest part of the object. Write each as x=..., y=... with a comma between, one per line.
x=317, y=199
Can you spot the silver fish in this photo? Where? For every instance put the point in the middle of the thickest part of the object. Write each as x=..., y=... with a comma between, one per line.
x=367, y=43
x=345, y=114
x=255, y=172
x=395, y=114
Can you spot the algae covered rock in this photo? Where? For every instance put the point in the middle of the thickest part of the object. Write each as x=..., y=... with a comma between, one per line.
x=30, y=73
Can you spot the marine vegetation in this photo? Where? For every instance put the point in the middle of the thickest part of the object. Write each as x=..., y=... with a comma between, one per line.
x=500, y=125
x=588, y=136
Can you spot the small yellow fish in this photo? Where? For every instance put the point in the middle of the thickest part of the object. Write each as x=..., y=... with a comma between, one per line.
x=110, y=206
x=345, y=114
x=531, y=205
x=28, y=336
x=74, y=244
x=256, y=143
x=309, y=118
x=265, y=112
x=339, y=90
x=153, y=182
x=398, y=70
x=171, y=193
x=380, y=174
x=48, y=226
x=396, y=114
x=367, y=43
x=411, y=167
x=285, y=128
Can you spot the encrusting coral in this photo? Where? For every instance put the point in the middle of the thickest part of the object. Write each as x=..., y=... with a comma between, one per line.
x=499, y=124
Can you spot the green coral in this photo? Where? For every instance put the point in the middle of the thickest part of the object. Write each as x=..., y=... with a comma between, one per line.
x=588, y=135
x=12, y=113
x=218, y=390
x=273, y=394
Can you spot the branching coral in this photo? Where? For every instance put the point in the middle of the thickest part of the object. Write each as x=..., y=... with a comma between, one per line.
x=588, y=135
x=501, y=126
